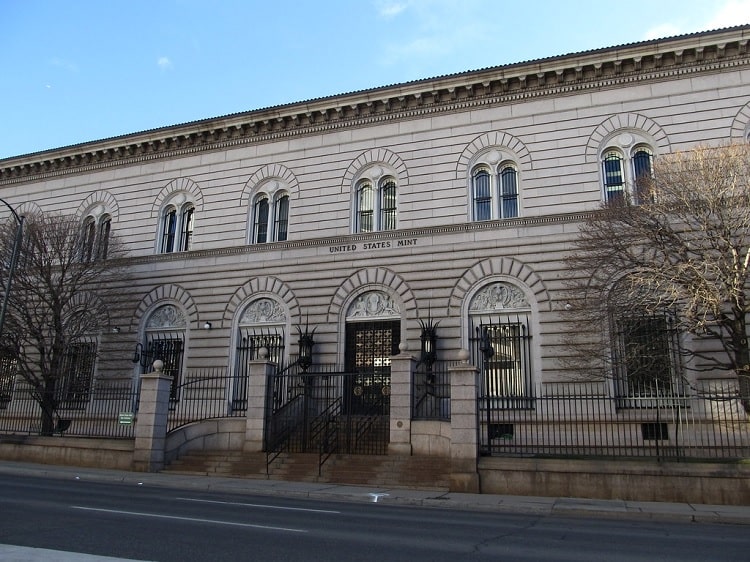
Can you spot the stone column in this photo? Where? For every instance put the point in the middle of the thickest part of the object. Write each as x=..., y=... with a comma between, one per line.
x=257, y=382
x=402, y=366
x=464, y=436
x=151, y=424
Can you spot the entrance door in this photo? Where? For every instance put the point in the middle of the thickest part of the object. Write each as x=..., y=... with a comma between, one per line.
x=369, y=347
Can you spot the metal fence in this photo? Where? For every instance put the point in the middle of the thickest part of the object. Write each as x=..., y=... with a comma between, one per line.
x=585, y=420
x=431, y=392
x=207, y=394
x=108, y=412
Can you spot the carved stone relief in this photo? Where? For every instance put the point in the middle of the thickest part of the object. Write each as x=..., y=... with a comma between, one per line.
x=263, y=310
x=374, y=304
x=498, y=296
x=166, y=317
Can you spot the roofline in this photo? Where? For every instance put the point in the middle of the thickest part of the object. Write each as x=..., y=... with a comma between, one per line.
x=559, y=63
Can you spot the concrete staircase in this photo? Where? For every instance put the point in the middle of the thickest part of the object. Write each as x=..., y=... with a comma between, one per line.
x=383, y=471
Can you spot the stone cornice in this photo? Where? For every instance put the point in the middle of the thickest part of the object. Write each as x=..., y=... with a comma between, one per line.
x=604, y=68
x=361, y=239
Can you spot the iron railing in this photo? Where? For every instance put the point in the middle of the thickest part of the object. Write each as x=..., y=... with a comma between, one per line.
x=206, y=394
x=431, y=392
x=325, y=409
x=586, y=420
x=109, y=412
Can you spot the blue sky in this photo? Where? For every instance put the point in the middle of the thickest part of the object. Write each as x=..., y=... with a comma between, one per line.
x=82, y=70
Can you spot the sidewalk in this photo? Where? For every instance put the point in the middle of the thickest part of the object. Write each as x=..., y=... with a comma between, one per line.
x=425, y=498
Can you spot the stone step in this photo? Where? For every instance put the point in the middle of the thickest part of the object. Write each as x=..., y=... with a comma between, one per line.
x=373, y=470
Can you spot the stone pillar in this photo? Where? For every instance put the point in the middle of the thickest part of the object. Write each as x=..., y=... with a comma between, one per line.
x=402, y=366
x=255, y=426
x=151, y=424
x=464, y=435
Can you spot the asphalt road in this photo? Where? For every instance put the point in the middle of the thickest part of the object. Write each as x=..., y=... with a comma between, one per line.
x=172, y=525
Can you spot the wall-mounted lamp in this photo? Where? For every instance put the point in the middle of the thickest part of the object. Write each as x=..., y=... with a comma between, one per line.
x=207, y=325
x=428, y=339
x=116, y=330
x=306, y=343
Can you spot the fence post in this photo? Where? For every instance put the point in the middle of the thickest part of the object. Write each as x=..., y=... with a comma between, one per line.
x=464, y=431
x=402, y=366
x=151, y=425
x=259, y=372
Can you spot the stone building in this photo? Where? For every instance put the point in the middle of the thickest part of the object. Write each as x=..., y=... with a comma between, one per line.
x=380, y=218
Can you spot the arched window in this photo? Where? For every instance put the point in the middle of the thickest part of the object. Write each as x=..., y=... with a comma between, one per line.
x=270, y=215
x=500, y=333
x=376, y=201
x=164, y=338
x=186, y=236
x=261, y=325
x=88, y=236
x=626, y=173
x=177, y=223
x=365, y=207
x=260, y=229
x=105, y=229
x=388, y=204
x=614, y=177
x=94, y=237
x=281, y=217
x=169, y=227
x=495, y=193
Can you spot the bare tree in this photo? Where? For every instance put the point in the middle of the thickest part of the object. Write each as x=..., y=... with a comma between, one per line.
x=680, y=242
x=60, y=293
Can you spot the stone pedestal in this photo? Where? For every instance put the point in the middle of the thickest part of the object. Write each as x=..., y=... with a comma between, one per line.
x=255, y=426
x=151, y=424
x=402, y=366
x=464, y=431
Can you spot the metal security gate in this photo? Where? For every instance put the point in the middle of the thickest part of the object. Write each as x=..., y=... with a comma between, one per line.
x=501, y=347
x=329, y=409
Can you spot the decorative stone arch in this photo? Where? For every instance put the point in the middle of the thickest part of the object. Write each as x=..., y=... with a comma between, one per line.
x=382, y=156
x=626, y=122
x=28, y=208
x=162, y=295
x=260, y=286
x=180, y=184
x=268, y=172
x=93, y=305
x=740, y=129
x=104, y=198
x=373, y=279
x=503, y=142
x=499, y=269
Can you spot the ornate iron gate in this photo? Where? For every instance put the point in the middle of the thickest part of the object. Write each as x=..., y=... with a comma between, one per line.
x=327, y=409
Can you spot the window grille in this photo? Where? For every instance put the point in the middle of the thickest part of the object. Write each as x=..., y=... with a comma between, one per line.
x=646, y=355
x=73, y=389
x=169, y=348
x=509, y=192
x=8, y=372
x=614, y=180
x=482, y=196
x=282, y=218
x=501, y=347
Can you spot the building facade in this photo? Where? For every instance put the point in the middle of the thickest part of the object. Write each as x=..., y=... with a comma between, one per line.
x=361, y=219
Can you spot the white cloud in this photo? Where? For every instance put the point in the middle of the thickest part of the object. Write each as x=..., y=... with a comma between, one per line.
x=389, y=8
x=734, y=12
x=164, y=63
x=724, y=14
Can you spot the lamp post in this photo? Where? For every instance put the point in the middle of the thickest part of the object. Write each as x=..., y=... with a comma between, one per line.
x=13, y=262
